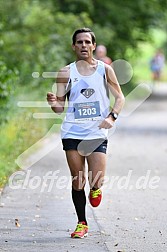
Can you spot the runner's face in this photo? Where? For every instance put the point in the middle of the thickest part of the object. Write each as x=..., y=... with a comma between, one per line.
x=83, y=46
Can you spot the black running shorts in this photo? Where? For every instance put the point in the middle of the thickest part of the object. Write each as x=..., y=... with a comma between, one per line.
x=85, y=146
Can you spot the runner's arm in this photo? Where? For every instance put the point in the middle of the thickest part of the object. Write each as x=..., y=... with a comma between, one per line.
x=115, y=89
x=57, y=101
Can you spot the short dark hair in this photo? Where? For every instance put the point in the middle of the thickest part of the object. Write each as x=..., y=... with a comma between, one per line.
x=82, y=30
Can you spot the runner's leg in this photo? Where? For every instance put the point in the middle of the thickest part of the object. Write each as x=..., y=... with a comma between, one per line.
x=96, y=169
x=76, y=164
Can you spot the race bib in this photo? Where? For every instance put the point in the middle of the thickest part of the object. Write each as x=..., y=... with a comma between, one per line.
x=87, y=111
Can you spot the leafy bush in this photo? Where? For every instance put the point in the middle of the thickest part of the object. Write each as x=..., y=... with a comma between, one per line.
x=8, y=80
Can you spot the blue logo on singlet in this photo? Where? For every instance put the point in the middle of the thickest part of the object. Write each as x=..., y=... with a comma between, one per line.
x=87, y=92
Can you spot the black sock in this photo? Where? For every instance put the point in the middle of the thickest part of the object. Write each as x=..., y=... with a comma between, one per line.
x=79, y=200
x=94, y=189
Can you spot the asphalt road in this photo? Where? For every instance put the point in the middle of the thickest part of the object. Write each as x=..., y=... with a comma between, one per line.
x=133, y=214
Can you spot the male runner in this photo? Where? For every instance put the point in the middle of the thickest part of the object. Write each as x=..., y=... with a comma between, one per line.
x=101, y=54
x=86, y=84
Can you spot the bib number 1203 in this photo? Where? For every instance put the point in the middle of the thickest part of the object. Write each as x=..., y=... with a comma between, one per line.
x=87, y=111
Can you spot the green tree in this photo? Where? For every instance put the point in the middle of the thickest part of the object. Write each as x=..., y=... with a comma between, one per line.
x=119, y=24
x=33, y=38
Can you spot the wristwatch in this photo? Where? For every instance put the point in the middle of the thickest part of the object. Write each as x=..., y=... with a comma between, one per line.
x=114, y=115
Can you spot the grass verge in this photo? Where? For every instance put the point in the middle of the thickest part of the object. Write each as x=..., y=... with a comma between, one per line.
x=21, y=130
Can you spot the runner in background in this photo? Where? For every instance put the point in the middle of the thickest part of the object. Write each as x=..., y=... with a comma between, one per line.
x=156, y=65
x=101, y=54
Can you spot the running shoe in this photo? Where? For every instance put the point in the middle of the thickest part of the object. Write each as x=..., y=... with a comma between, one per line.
x=81, y=230
x=95, y=197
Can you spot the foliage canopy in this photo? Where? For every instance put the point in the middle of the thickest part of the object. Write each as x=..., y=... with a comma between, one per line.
x=36, y=35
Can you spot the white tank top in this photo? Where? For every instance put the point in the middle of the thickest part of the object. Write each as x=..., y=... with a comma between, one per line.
x=88, y=104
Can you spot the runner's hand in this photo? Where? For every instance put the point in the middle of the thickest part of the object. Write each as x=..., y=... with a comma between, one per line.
x=51, y=98
x=107, y=123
